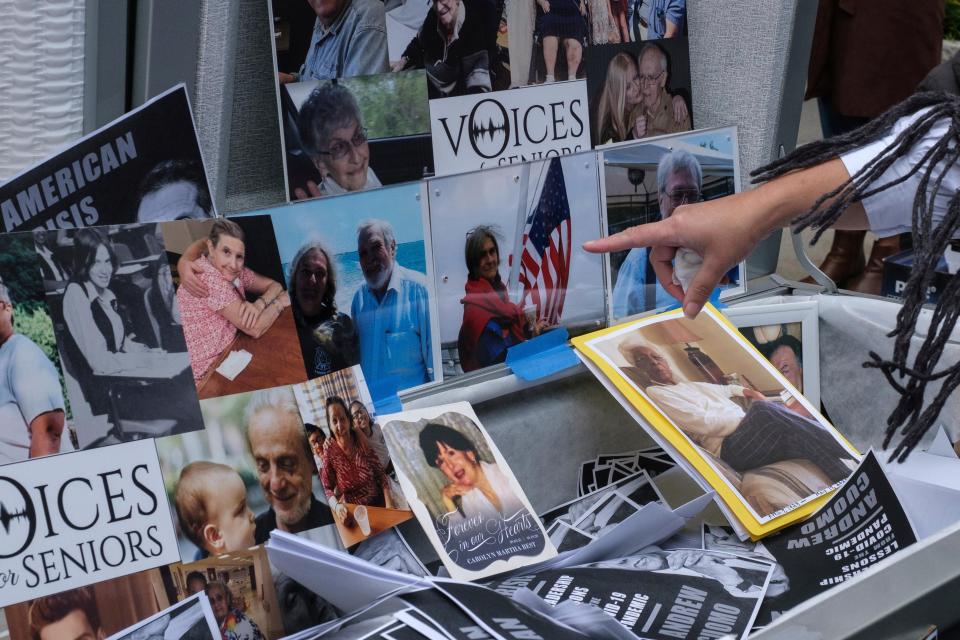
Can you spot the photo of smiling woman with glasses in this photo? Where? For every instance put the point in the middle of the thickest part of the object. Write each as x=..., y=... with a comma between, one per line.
x=333, y=136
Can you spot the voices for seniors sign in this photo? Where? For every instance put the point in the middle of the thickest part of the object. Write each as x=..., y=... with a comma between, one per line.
x=71, y=520
x=495, y=129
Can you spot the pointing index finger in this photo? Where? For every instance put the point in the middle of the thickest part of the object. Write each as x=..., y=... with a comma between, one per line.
x=646, y=235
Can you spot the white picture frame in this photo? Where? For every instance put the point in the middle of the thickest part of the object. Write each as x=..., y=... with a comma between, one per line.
x=807, y=315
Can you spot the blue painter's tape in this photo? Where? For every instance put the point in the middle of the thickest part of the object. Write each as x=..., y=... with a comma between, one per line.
x=542, y=356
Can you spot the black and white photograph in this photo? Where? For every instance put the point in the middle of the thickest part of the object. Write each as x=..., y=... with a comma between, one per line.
x=862, y=524
x=636, y=488
x=605, y=514
x=508, y=258
x=34, y=411
x=462, y=492
x=191, y=619
x=144, y=167
x=645, y=182
x=639, y=90
x=650, y=593
x=120, y=338
x=788, y=335
x=727, y=410
x=355, y=134
x=566, y=537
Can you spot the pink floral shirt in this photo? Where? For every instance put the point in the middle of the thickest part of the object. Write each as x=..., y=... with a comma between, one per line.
x=207, y=332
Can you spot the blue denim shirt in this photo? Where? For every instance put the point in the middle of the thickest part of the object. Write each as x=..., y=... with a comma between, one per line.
x=662, y=10
x=354, y=45
x=394, y=332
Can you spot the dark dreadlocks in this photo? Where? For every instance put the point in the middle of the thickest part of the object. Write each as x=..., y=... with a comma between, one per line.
x=929, y=243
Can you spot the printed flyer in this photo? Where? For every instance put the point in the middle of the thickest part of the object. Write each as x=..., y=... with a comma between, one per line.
x=464, y=495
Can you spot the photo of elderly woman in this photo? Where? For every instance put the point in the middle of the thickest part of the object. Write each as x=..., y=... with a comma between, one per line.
x=233, y=623
x=354, y=463
x=492, y=323
x=463, y=493
x=238, y=327
x=639, y=90
x=124, y=381
x=356, y=133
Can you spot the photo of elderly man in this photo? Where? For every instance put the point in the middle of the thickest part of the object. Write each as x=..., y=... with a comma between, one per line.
x=284, y=464
x=771, y=447
x=391, y=311
x=325, y=39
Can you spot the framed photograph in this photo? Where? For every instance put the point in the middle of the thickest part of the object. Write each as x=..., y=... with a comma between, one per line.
x=463, y=493
x=643, y=182
x=788, y=335
x=521, y=230
x=361, y=285
x=739, y=424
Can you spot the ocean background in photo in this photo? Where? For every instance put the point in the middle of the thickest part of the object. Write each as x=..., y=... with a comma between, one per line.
x=411, y=255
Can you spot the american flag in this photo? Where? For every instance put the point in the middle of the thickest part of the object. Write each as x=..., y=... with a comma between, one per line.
x=545, y=259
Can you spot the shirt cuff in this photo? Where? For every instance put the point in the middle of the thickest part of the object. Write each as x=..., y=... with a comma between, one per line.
x=890, y=211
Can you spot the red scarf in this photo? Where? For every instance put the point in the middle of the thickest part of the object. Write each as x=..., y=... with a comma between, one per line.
x=486, y=301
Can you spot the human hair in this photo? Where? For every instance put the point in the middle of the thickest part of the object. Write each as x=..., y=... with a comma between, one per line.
x=191, y=495
x=86, y=241
x=330, y=106
x=224, y=227
x=337, y=400
x=473, y=247
x=674, y=162
x=329, y=296
x=912, y=417
x=612, y=107
x=784, y=341
x=197, y=575
x=48, y=610
x=311, y=429
x=385, y=229
x=653, y=47
x=176, y=170
x=435, y=433
x=279, y=399
x=217, y=584
x=362, y=406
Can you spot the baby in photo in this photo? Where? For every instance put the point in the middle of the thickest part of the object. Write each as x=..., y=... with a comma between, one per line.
x=211, y=504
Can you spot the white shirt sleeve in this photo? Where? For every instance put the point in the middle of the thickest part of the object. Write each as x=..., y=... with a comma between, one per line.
x=891, y=211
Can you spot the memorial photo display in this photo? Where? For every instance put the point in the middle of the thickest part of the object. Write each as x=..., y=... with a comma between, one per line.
x=714, y=400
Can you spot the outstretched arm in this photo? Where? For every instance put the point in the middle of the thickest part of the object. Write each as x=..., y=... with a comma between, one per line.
x=46, y=430
x=724, y=231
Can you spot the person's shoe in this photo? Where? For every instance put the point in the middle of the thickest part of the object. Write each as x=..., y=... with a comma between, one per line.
x=845, y=259
x=871, y=280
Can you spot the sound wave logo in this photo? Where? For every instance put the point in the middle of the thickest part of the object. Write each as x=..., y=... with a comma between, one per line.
x=489, y=128
x=18, y=518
